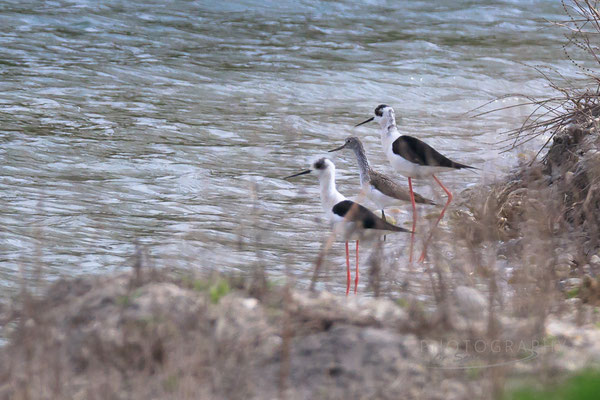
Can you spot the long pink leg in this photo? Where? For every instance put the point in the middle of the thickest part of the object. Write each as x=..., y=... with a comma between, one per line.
x=449, y=194
x=347, y=270
x=414, y=212
x=356, y=278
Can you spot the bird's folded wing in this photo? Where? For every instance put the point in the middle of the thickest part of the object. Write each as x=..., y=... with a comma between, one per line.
x=392, y=189
x=388, y=187
x=419, y=152
x=354, y=212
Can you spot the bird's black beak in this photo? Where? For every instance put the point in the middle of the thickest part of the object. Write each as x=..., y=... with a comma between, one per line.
x=364, y=122
x=298, y=174
x=338, y=148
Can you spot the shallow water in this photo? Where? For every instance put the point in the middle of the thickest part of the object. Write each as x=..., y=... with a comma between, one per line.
x=173, y=122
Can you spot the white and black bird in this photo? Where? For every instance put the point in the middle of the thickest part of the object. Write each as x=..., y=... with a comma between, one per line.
x=412, y=158
x=349, y=219
x=379, y=188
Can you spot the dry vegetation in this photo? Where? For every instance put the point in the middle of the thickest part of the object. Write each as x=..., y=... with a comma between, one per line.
x=523, y=270
x=171, y=334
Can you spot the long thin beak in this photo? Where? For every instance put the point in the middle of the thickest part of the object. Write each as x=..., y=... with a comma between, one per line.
x=338, y=148
x=298, y=174
x=364, y=122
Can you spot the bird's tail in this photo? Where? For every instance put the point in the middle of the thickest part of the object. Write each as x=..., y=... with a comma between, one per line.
x=393, y=228
x=423, y=200
x=462, y=166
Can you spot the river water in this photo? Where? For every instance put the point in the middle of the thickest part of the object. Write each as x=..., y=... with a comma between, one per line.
x=173, y=122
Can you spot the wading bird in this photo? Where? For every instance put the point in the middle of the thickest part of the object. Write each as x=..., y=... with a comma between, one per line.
x=349, y=219
x=412, y=158
x=379, y=188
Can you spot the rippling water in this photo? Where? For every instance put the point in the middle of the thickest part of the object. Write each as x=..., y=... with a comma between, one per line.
x=174, y=121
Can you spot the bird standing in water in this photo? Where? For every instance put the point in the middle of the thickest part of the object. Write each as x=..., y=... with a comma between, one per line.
x=379, y=188
x=349, y=219
x=412, y=158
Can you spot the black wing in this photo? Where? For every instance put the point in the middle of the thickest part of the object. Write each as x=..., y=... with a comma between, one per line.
x=356, y=213
x=419, y=152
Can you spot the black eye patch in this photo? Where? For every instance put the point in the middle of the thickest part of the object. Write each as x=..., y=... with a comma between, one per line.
x=320, y=164
x=379, y=109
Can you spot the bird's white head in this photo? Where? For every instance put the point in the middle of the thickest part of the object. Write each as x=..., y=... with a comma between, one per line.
x=384, y=116
x=323, y=167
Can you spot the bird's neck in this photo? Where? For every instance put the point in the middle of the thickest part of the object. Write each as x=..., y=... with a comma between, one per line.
x=329, y=194
x=363, y=164
x=389, y=134
x=388, y=123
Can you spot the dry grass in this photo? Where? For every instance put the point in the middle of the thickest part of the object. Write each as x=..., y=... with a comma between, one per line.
x=576, y=102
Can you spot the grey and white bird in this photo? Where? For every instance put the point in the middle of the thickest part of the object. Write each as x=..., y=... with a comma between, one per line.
x=379, y=188
x=412, y=158
x=349, y=219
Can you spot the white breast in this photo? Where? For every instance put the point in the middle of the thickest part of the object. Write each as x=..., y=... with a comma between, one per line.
x=401, y=165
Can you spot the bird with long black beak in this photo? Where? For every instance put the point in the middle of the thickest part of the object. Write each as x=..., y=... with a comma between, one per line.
x=379, y=188
x=412, y=158
x=349, y=219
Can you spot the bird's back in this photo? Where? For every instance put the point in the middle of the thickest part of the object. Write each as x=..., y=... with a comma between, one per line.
x=418, y=152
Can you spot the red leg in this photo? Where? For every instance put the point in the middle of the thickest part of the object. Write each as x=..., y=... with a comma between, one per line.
x=414, y=225
x=449, y=194
x=356, y=278
x=347, y=270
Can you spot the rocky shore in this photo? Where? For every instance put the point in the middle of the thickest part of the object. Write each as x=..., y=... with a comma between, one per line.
x=174, y=335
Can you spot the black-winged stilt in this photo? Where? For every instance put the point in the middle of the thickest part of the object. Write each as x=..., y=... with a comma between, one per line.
x=412, y=158
x=348, y=218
